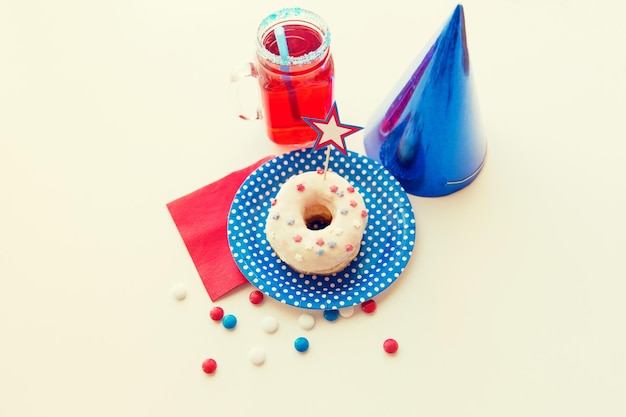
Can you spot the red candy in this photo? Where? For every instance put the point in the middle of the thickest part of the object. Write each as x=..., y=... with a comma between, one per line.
x=350, y=189
x=333, y=188
x=297, y=238
x=363, y=213
x=368, y=306
x=209, y=366
x=216, y=313
x=353, y=203
x=256, y=297
x=320, y=171
x=319, y=242
x=390, y=346
x=300, y=187
x=349, y=247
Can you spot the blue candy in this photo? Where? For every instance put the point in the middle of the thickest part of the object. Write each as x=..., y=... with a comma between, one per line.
x=331, y=315
x=301, y=344
x=229, y=321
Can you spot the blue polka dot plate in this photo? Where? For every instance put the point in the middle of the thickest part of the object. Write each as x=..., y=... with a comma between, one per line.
x=387, y=243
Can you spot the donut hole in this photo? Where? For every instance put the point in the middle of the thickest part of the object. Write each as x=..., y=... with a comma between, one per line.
x=317, y=217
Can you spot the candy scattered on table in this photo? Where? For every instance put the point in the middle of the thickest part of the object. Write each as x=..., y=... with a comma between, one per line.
x=331, y=315
x=229, y=321
x=257, y=356
x=209, y=366
x=301, y=344
x=179, y=292
x=269, y=324
x=256, y=297
x=306, y=321
x=368, y=306
x=346, y=312
x=216, y=313
x=390, y=346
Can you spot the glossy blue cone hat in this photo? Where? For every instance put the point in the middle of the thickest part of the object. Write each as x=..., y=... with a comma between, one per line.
x=428, y=134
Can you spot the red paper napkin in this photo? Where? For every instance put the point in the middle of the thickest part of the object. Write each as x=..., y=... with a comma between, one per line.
x=201, y=218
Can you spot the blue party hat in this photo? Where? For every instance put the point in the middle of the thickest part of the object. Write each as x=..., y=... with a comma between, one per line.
x=428, y=135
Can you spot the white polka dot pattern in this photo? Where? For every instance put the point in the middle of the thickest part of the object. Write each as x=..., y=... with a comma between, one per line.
x=387, y=243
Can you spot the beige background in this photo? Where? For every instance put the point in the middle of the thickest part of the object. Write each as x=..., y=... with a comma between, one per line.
x=512, y=304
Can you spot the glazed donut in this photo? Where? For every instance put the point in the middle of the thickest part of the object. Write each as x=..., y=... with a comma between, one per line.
x=316, y=222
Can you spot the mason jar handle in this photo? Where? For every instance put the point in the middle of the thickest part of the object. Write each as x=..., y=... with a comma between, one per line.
x=244, y=72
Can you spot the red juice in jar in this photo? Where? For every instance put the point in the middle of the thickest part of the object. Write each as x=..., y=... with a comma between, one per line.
x=300, y=85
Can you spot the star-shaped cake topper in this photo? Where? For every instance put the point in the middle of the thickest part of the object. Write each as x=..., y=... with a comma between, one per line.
x=331, y=131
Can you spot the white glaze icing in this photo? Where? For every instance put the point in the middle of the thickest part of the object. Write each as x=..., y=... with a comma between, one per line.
x=320, y=251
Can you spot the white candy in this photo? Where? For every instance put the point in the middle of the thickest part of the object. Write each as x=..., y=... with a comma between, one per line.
x=346, y=312
x=306, y=321
x=257, y=356
x=179, y=292
x=269, y=324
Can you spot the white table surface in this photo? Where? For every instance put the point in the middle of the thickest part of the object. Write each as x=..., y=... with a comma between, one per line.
x=513, y=302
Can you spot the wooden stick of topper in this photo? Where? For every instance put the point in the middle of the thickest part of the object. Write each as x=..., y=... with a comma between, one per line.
x=327, y=161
